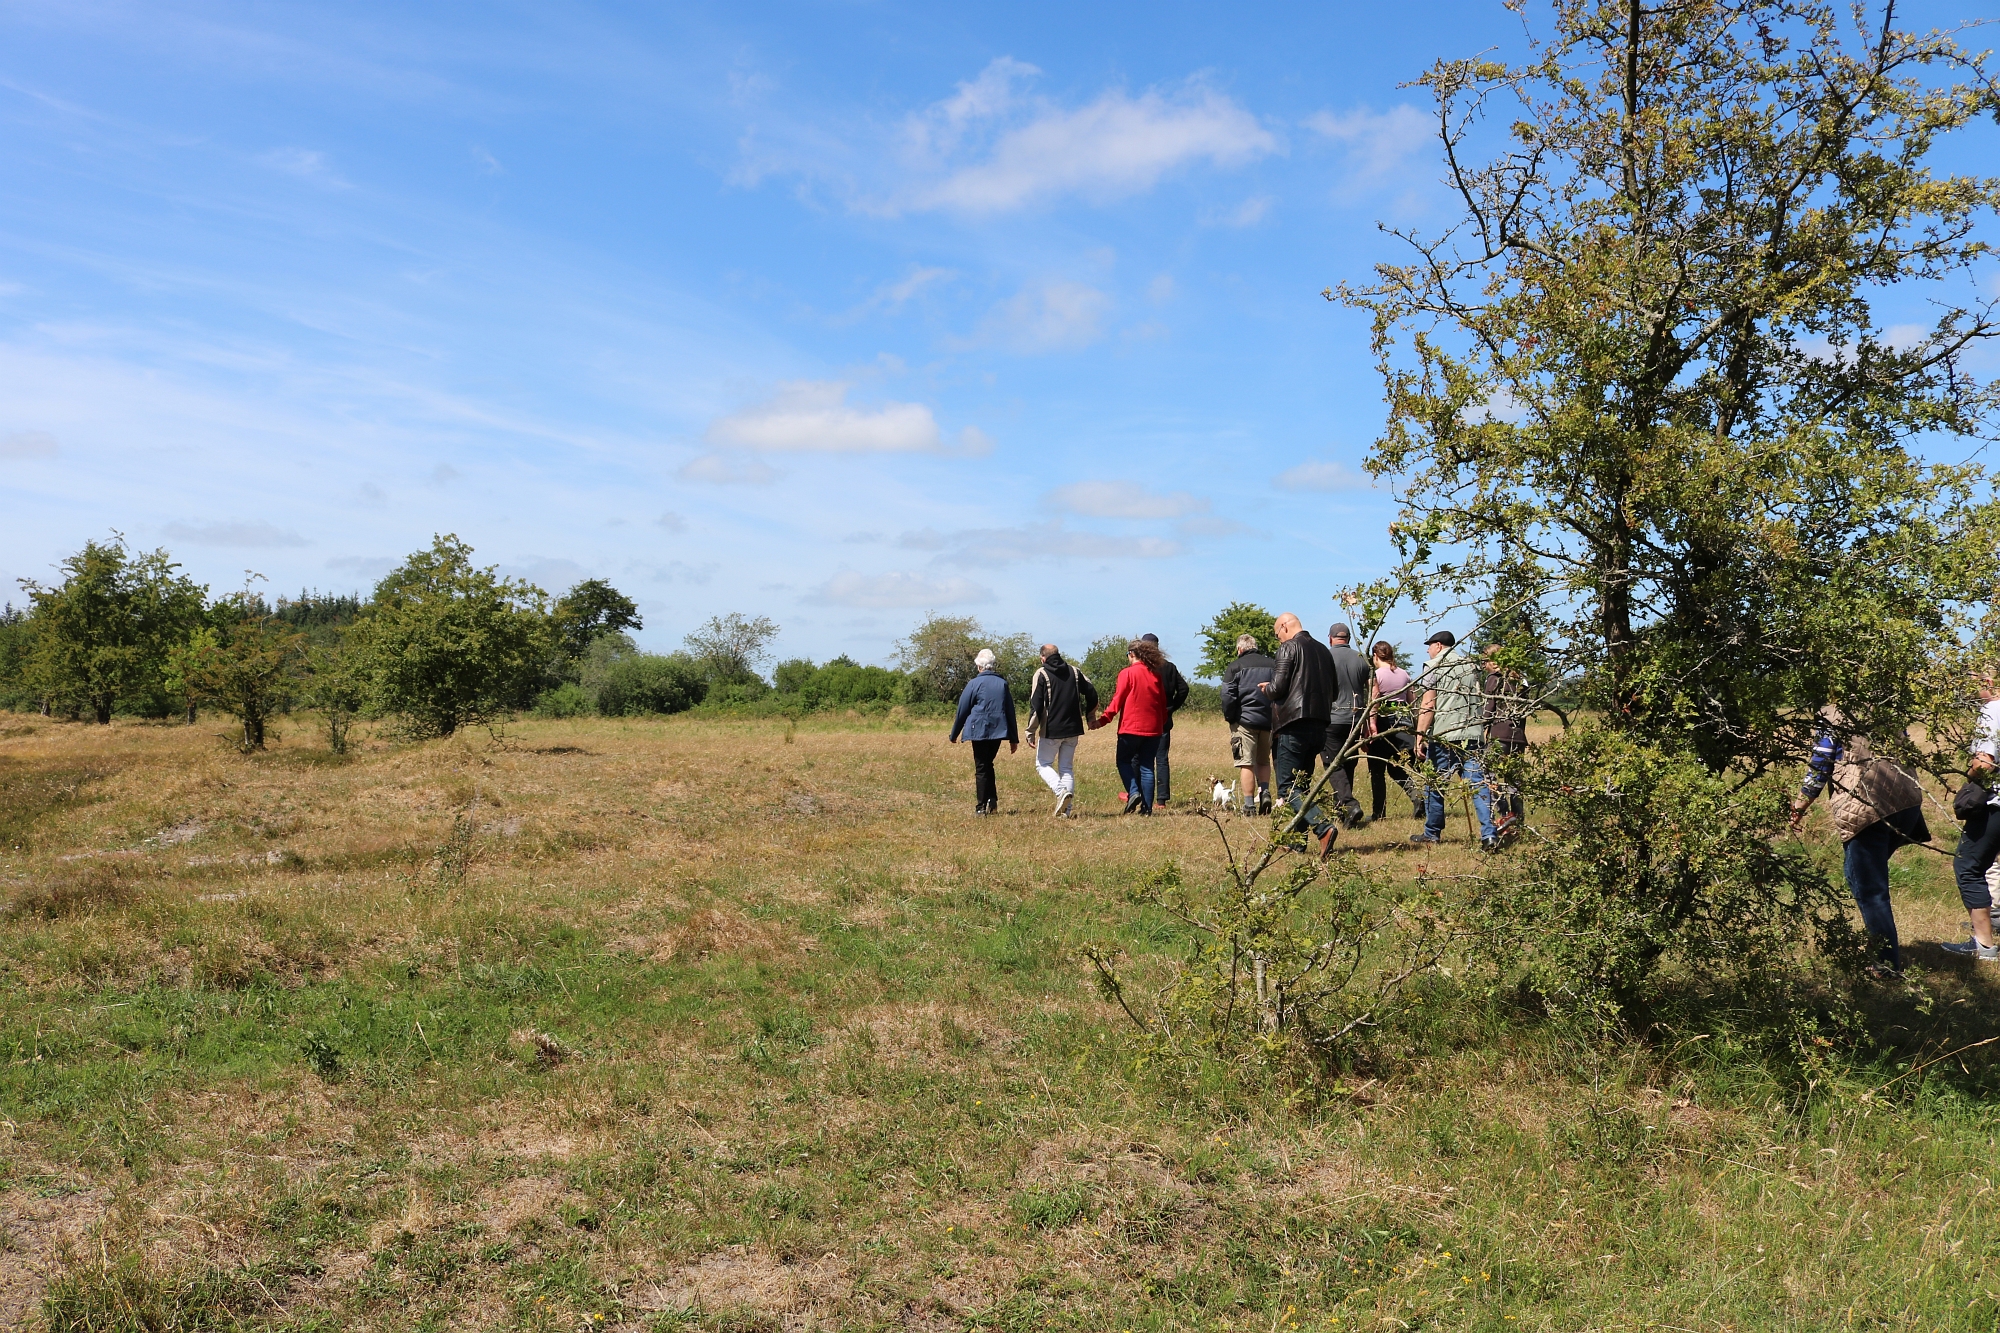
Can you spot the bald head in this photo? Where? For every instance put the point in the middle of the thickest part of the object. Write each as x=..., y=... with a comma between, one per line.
x=1286, y=625
x=1048, y=650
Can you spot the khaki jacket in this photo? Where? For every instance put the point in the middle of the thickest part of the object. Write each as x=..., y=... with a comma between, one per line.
x=1866, y=788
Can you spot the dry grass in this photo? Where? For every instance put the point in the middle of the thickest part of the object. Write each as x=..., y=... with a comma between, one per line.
x=685, y=1024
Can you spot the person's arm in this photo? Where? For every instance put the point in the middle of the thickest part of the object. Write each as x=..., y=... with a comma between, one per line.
x=1117, y=701
x=1013, y=726
x=964, y=709
x=1426, y=714
x=1281, y=677
x=1087, y=694
x=1038, y=702
x=1819, y=772
x=1232, y=703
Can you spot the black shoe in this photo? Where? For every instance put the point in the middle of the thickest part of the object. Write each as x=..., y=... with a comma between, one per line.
x=1425, y=839
x=1489, y=845
x=1357, y=819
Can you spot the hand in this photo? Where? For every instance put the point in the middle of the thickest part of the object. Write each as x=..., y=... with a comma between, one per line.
x=1013, y=746
x=1263, y=687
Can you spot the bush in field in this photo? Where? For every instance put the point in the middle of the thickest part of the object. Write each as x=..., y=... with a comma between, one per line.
x=100, y=637
x=565, y=700
x=1218, y=637
x=334, y=689
x=651, y=683
x=1104, y=661
x=841, y=683
x=728, y=649
x=245, y=662
x=937, y=658
x=445, y=644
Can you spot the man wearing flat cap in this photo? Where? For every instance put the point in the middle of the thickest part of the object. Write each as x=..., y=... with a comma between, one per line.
x=1451, y=736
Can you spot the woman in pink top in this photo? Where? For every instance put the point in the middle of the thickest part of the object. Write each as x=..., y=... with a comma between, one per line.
x=1392, y=739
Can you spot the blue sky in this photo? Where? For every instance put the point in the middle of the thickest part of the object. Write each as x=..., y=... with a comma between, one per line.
x=837, y=313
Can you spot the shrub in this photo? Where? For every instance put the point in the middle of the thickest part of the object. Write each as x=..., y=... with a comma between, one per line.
x=1218, y=636
x=650, y=683
x=565, y=700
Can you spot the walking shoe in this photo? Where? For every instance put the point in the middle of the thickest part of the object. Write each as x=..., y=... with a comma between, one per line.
x=1130, y=804
x=1327, y=839
x=1489, y=845
x=1066, y=807
x=1985, y=953
x=1425, y=839
x=1357, y=819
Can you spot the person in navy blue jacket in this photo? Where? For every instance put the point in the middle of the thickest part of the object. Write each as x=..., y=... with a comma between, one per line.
x=986, y=717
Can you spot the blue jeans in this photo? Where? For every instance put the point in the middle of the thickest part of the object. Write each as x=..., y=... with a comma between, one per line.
x=1453, y=762
x=1294, y=749
x=1867, y=867
x=1135, y=767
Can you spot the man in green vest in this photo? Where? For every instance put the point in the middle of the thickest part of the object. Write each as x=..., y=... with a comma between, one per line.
x=1451, y=736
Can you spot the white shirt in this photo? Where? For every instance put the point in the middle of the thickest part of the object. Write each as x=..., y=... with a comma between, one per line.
x=1986, y=738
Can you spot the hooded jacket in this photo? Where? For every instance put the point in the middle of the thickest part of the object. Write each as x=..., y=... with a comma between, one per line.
x=1302, y=685
x=1060, y=701
x=1243, y=704
x=986, y=710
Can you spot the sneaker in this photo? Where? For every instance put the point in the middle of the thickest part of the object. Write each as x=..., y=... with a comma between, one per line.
x=1327, y=839
x=1128, y=804
x=1425, y=839
x=1489, y=845
x=1985, y=953
x=1066, y=807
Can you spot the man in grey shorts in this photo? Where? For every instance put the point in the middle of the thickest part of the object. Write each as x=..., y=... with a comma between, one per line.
x=1247, y=710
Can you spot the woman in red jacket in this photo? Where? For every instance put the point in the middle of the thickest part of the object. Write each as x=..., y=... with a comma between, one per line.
x=1140, y=705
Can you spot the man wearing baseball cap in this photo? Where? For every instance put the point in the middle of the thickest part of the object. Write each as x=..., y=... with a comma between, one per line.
x=1451, y=736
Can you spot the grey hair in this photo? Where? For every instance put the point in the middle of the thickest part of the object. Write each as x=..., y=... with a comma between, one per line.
x=1245, y=642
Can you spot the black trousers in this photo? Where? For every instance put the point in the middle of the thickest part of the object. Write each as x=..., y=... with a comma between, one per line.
x=1163, y=776
x=1392, y=754
x=1342, y=782
x=1294, y=748
x=986, y=784
x=1978, y=847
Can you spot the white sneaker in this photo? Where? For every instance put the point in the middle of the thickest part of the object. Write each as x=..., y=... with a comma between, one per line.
x=1985, y=953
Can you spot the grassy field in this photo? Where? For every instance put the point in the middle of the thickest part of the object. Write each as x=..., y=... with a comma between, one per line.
x=709, y=1025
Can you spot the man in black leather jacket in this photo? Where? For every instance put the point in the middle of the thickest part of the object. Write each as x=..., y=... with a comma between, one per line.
x=1301, y=691
x=1247, y=710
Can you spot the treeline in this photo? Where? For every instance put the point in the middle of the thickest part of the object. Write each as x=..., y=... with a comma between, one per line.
x=442, y=643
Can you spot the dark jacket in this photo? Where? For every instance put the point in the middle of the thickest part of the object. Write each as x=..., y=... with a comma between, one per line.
x=1060, y=701
x=1243, y=704
x=1505, y=710
x=1352, y=680
x=986, y=710
x=1302, y=685
x=1175, y=687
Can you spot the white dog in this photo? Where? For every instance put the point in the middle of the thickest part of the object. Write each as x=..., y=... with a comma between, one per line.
x=1220, y=795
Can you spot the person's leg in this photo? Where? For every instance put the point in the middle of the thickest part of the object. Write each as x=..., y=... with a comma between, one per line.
x=1378, y=777
x=1293, y=752
x=1976, y=851
x=1066, y=764
x=1128, y=766
x=1163, y=787
x=1243, y=754
x=1146, y=755
x=1446, y=761
x=985, y=782
x=1406, y=770
x=1474, y=772
x=1867, y=866
x=1262, y=757
x=1341, y=766
x=1046, y=752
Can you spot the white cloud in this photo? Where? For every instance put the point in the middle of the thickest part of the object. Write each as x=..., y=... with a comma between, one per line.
x=672, y=522
x=305, y=163
x=721, y=470
x=979, y=547
x=227, y=533
x=371, y=494
x=1056, y=316
x=885, y=591
x=488, y=164
x=1122, y=499
x=974, y=442
x=1210, y=525
x=1116, y=146
x=1321, y=475
x=894, y=296
x=814, y=416
x=1378, y=143
x=28, y=444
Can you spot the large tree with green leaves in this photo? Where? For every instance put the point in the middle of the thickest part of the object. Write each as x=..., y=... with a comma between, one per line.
x=1643, y=386
x=1645, y=406
x=245, y=661
x=446, y=644
x=101, y=635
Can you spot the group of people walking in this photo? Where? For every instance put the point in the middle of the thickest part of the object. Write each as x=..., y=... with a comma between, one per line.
x=1310, y=705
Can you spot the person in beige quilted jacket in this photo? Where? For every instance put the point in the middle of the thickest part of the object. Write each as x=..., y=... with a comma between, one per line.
x=1877, y=807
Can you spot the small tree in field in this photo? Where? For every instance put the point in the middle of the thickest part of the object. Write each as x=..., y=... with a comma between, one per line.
x=1641, y=393
x=729, y=648
x=446, y=644
x=245, y=662
x=1218, y=636
x=334, y=688
x=588, y=612
x=101, y=635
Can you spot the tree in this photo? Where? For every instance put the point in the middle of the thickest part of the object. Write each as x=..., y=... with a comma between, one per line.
x=651, y=683
x=1646, y=392
x=1107, y=657
x=1640, y=398
x=587, y=612
x=1218, y=636
x=444, y=644
x=244, y=661
x=334, y=687
x=937, y=656
x=729, y=647
x=101, y=635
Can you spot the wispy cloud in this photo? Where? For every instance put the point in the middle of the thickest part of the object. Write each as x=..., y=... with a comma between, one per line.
x=1050, y=317
x=305, y=163
x=1246, y=214
x=227, y=533
x=28, y=444
x=1377, y=143
x=722, y=470
x=1122, y=499
x=1323, y=474
x=979, y=547
x=1027, y=149
x=488, y=164
x=886, y=591
x=814, y=416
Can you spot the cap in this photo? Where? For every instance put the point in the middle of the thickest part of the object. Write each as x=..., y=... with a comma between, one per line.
x=1443, y=636
x=1153, y=639
x=1340, y=631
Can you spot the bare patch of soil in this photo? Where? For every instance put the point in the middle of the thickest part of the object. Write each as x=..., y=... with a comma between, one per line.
x=34, y=1233
x=750, y=1278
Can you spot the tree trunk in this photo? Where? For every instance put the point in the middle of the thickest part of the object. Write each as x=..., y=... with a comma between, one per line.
x=253, y=731
x=190, y=715
x=101, y=706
